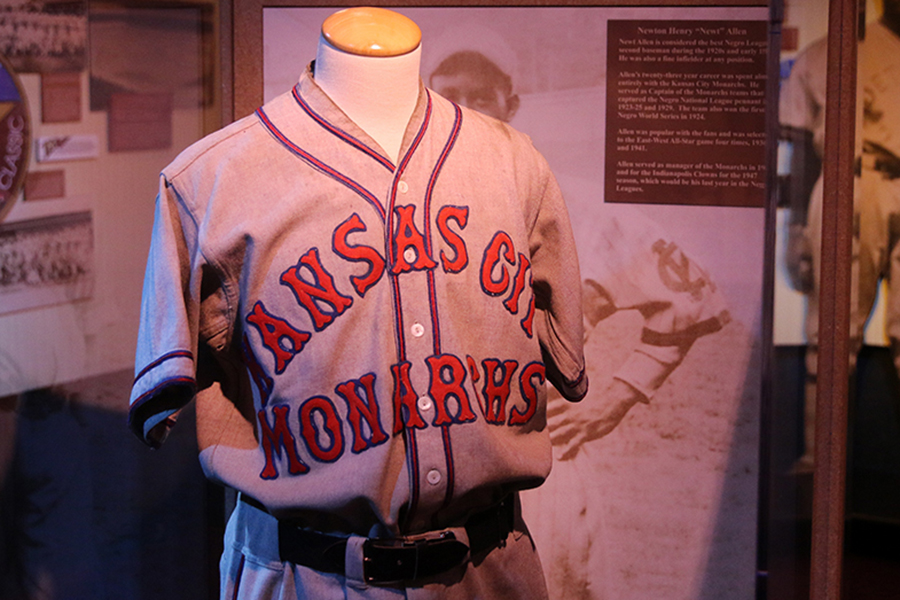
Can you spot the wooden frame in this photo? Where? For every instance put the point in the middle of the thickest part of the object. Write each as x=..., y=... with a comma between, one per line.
x=834, y=316
x=242, y=73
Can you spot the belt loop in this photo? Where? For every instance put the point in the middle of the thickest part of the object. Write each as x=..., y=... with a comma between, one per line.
x=353, y=562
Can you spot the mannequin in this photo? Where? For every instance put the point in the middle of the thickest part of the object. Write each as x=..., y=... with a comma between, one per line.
x=357, y=291
x=367, y=62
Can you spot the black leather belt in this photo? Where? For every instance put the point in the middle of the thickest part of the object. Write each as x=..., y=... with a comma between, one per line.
x=388, y=561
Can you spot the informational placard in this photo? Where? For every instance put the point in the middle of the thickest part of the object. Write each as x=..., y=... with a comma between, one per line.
x=55, y=148
x=140, y=121
x=61, y=97
x=685, y=120
x=43, y=185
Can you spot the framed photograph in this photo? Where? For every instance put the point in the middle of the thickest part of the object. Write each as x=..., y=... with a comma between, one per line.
x=44, y=37
x=123, y=36
x=46, y=261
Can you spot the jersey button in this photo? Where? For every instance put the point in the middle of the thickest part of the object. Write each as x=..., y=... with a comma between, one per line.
x=403, y=187
x=418, y=329
x=433, y=477
x=425, y=403
x=409, y=255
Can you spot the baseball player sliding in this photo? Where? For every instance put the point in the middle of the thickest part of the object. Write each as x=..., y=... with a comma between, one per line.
x=365, y=288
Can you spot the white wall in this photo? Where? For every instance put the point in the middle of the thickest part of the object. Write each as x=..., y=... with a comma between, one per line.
x=56, y=344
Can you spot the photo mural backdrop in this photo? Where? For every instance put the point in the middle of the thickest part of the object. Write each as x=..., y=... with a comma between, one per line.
x=653, y=122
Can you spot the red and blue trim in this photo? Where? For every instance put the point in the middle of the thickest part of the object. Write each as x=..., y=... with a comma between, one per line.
x=168, y=356
x=340, y=133
x=389, y=229
x=318, y=165
x=429, y=244
x=451, y=468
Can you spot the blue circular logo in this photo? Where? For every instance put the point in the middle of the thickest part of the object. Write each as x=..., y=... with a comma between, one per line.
x=15, y=137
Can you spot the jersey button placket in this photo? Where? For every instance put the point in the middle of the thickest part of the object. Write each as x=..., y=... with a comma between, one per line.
x=431, y=477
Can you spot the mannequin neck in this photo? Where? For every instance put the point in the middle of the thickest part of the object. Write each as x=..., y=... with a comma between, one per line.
x=378, y=93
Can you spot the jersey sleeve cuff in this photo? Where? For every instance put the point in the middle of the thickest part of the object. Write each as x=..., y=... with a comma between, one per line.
x=160, y=389
x=571, y=390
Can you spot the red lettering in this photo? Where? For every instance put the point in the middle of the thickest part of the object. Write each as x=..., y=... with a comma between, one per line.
x=473, y=369
x=528, y=321
x=407, y=237
x=460, y=259
x=363, y=254
x=529, y=391
x=447, y=377
x=496, y=389
x=276, y=437
x=331, y=425
x=276, y=333
x=263, y=382
x=405, y=398
x=321, y=289
x=359, y=409
x=512, y=303
x=492, y=256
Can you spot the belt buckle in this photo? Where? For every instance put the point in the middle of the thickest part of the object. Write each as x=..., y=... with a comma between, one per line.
x=393, y=561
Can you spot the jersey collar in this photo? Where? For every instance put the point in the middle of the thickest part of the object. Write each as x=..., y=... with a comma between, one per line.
x=311, y=99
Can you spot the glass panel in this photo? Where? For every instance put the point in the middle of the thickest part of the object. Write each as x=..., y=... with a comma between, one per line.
x=873, y=466
x=873, y=469
x=673, y=484
x=113, y=94
x=792, y=410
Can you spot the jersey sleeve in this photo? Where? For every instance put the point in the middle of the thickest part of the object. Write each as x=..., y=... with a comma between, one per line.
x=165, y=362
x=635, y=265
x=556, y=282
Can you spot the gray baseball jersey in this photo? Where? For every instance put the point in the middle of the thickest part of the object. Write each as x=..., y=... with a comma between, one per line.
x=368, y=343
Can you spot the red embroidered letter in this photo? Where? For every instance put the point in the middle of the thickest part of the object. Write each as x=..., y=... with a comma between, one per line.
x=331, y=426
x=273, y=439
x=358, y=254
x=529, y=392
x=405, y=398
x=460, y=214
x=447, y=377
x=492, y=255
x=512, y=303
x=473, y=369
x=359, y=409
x=263, y=382
x=407, y=237
x=496, y=389
x=274, y=331
x=528, y=320
x=320, y=290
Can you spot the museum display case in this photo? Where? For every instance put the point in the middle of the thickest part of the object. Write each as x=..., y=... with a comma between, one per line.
x=720, y=211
